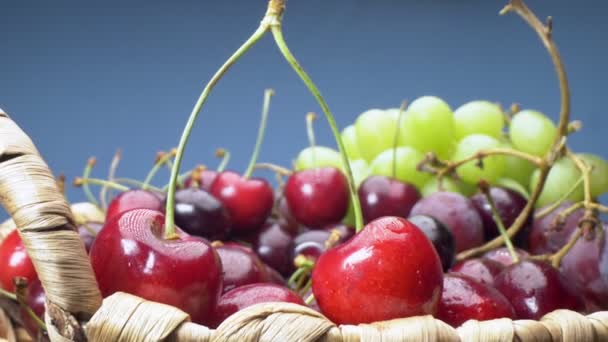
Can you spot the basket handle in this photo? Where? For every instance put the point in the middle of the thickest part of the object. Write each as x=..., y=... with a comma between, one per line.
x=42, y=215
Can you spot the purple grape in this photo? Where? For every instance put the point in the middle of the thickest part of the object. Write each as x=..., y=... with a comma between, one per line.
x=545, y=237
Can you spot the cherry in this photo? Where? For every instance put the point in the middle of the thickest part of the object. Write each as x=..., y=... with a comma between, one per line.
x=385, y=196
x=205, y=177
x=35, y=299
x=503, y=256
x=248, y=295
x=134, y=199
x=198, y=213
x=130, y=255
x=284, y=216
x=388, y=270
x=240, y=265
x=440, y=236
x=546, y=236
x=273, y=244
x=14, y=262
x=535, y=288
x=463, y=299
x=457, y=213
x=509, y=203
x=317, y=197
x=274, y=276
x=249, y=201
x=313, y=243
x=480, y=269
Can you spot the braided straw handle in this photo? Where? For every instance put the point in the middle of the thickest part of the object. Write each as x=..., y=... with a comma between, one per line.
x=30, y=194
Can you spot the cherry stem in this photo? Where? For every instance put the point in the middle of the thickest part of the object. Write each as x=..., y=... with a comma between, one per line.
x=180, y=180
x=310, y=131
x=268, y=93
x=105, y=192
x=309, y=299
x=8, y=294
x=251, y=41
x=85, y=187
x=135, y=182
x=85, y=181
x=21, y=295
x=396, y=138
x=279, y=170
x=289, y=57
x=225, y=155
x=485, y=189
x=161, y=160
x=557, y=203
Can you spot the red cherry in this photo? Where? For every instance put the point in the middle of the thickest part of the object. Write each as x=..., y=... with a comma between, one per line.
x=503, y=256
x=249, y=201
x=274, y=276
x=35, y=299
x=130, y=255
x=389, y=270
x=385, y=196
x=285, y=218
x=535, y=288
x=14, y=262
x=134, y=199
x=248, y=295
x=317, y=197
x=240, y=265
x=463, y=299
x=481, y=269
x=206, y=178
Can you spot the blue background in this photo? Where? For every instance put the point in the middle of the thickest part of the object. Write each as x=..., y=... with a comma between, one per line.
x=85, y=78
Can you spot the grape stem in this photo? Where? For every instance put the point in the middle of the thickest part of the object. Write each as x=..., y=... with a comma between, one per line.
x=561, y=200
x=268, y=93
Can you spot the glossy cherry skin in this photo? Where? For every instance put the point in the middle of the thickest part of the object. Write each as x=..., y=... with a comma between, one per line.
x=273, y=245
x=285, y=218
x=388, y=270
x=480, y=269
x=134, y=199
x=131, y=255
x=206, y=178
x=35, y=299
x=582, y=267
x=503, y=256
x=509, y=203
x=198, y=213
x=535, y=288
x=546, y=237
x=317, y=197
x=14, y=262
x=457, y=213
x=240, y=265
x=249, y=201
x=440, y=236
x=248, y=295
x=463, y=299
x=385, y=196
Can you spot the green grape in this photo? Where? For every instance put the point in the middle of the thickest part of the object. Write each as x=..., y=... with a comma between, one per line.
x=375, y=132
x=513, y=185
x=518, y=169
x=405, y=169
x=319, y=157
x=481, y=117
x=561, y=179
x=532, y=132
x=599, y=173
x=432, y=186
x=470, y=172
x=428, y=126
x=349, y=138
x=466, y=188
x=360, y=170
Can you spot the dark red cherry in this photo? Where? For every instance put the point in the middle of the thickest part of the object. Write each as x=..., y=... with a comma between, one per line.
x=134, y=199
x=509, y=204
x=317, y=197
x=548, y=237
x=14, y=262
x=480, y=269
x=35, y=299
x=131, y=255
x=206, y=178
x=285, y=218
x=440, y=236
x=313, y=243
x=249, y=201
x=463, y=299
x=273, y=245
x=274, y=276
x=385, y=196
x=388, y=270
x=248, y=295
x=241, y=266
x=503, y=256
x=198, y=213
x=457, y=213
x=535, y=288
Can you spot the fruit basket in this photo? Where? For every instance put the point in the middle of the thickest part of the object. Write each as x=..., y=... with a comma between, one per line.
x=383, y=284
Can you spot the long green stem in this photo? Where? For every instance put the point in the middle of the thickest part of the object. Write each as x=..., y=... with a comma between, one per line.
x=85, y=187
x=310, y=132
x=282, y=45
x=8, y=294
x=105, y=192
x=169, y=210
x=268, y=93
x=139, y=184
x=225, y=155
x=500, y=224
x=85, y=181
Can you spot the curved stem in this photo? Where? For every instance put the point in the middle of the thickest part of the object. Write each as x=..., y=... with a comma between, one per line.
x=169, y=210
x=162, y=159
x=135, y=182
x=275, y=168
x=556, y=259
x=282, y=45
x=268, y=93
x=85, y=187
x=105, y=192
x=86, y=181
x=225, y=155
x=310, y=131
x=498, y=220
x=559, y=202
